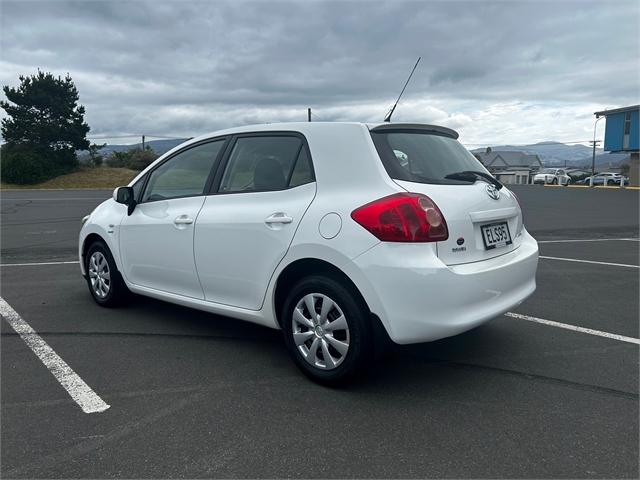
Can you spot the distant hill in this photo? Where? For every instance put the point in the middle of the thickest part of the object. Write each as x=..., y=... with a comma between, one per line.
x=559, y=154
x=158, y=146
x=551, y=153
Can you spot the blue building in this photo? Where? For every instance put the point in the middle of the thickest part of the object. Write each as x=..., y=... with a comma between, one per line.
x=621, y=135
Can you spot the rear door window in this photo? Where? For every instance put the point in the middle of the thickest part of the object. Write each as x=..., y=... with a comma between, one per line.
x=266, y=163
x=424, y=157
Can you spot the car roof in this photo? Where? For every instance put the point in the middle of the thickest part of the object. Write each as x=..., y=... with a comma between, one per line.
x=321, y=134
x=308, y=127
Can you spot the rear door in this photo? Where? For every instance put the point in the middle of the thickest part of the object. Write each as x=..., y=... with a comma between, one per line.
x=248, y=222
x=483, y=221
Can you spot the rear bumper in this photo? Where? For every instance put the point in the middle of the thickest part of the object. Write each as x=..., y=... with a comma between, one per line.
x=419, y=299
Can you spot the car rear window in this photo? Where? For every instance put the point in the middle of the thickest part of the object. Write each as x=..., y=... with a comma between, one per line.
x=423, y=157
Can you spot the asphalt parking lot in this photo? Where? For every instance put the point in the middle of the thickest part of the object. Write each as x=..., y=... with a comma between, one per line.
x=196, y=395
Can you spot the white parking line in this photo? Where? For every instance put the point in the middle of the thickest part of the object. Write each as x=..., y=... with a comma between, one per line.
x=53, y=199
x=589, y=261
x=592, y=240
x=575, y=328
x=80, y=392
x=36, y=264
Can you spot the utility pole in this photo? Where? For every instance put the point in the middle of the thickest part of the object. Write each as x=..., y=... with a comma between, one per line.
x=309, y=114
x=142, y=142
x=594, y=143
x=593, y=161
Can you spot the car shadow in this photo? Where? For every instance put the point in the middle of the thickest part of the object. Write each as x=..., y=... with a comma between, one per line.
x=396, y=365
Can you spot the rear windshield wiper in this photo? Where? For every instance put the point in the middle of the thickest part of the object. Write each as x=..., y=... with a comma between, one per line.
x=472, y=176
x=416, y=177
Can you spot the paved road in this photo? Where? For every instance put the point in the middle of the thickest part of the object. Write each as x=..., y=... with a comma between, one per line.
x=578, y=212
x=44, y=225
x=196, y=395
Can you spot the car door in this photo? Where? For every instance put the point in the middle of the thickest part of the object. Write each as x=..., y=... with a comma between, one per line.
x=247, y=224
x=156, y=240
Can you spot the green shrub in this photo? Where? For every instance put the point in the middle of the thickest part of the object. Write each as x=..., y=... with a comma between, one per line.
x=135, y=159
x=118, y=159
x=625, y=168
x=141, y=159
x=95, y=159
x=64, y=160
x=22, y=165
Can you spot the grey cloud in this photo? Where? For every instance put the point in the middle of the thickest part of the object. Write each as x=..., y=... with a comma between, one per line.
x=192, y=66
x=458, y=73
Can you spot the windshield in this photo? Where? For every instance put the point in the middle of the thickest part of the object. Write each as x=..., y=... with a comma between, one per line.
x=424, y=157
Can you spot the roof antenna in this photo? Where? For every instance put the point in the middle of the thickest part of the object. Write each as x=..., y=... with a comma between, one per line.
x=388, y=117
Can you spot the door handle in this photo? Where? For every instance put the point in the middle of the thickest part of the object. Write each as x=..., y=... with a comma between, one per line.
x=183, y=220
x=278, y=217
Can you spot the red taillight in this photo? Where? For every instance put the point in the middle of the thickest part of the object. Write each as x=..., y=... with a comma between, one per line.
x=403, y=217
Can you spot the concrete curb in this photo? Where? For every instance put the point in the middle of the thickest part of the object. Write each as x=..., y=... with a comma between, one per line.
x=613, y=187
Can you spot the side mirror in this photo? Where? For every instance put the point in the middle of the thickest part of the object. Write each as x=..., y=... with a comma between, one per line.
x=125, y=196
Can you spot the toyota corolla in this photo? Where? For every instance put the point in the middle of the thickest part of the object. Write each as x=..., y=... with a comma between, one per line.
x=322, y=230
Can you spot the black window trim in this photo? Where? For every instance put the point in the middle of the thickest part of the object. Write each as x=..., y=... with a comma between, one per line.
x=142, y=179
x=210, y=177
x=214, y=188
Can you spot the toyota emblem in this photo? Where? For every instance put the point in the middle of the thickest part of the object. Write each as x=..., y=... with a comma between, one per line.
x=493, y=192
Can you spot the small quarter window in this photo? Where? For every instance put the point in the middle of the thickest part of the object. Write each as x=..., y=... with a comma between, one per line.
x=137, y=188
x=302, y=172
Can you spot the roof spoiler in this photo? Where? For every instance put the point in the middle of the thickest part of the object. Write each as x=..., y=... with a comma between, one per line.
x=416, y=126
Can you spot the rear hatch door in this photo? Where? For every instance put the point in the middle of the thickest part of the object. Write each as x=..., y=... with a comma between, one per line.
x=484, y=221
x=480, y=227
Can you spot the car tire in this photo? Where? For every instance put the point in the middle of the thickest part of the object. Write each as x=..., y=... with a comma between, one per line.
x=568, y=182
x=334, y=344
x=554, y=181
x=103, y=278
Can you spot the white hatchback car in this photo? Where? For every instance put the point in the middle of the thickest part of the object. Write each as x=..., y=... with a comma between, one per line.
x=324, y=230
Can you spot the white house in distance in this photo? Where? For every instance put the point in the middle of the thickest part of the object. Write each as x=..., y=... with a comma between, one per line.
x=510, y=167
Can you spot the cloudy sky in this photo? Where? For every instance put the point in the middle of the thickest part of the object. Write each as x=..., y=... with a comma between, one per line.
x=498, y=72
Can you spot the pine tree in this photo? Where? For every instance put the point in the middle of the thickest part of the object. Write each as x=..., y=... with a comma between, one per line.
x=44, y=111
x=45, y=121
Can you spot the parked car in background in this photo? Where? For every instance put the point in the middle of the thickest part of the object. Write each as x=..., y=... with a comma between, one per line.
x=608, y=178
x=323, y=230
x=552, y=176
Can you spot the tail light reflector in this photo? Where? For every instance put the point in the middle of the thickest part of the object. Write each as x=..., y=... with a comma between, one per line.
x=403, y=217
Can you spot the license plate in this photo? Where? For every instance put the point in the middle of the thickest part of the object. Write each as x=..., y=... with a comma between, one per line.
x=495, y=235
